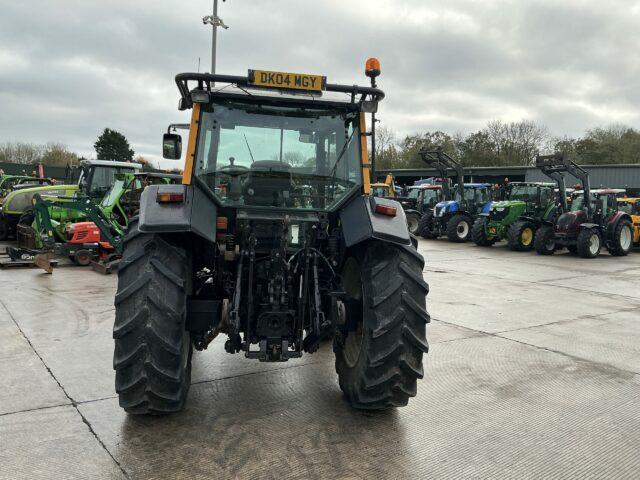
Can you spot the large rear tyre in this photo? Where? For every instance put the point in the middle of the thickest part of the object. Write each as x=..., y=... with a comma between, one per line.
x=622, y=239
x=589, y=243
x=459, y=228
x=152, y=357
x=379, y=352
x=544, y=241
x=426, y=226
x=520, y=236
x=413, y=223
x=479, y=233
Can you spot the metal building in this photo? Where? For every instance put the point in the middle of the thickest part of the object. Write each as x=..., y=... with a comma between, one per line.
x=612, y=176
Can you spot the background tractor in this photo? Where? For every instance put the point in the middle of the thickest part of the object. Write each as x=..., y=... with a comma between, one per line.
x=592, y=221
x=82, y=228
x=274, y=253
x=632, y=207
x=386, y=189
x=11, y=182
x=455, y=215
x=420, y=199
x=95, y=178
x=516, y=218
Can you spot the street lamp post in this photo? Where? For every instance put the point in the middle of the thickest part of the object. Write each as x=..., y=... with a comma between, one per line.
x=215, y=21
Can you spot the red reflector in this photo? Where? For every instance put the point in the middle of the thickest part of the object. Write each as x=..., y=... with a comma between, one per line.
x=222, y=223
x=170, y=197
x=385, y=210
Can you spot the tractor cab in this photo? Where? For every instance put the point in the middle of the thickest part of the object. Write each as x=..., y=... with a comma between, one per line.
x=386, y=189
x=97, y=176
x=476, y=199
x=523, y=198
x=9, y=183
x=419, y=200
x=425, y=196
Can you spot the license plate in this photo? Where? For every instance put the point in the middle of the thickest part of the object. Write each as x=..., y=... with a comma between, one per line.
x=287, y=81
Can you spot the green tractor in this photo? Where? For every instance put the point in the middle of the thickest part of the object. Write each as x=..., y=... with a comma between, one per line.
x=273, y=254
x=11, y=182
x=81, y=228
x=516, y=219
x=95, y=179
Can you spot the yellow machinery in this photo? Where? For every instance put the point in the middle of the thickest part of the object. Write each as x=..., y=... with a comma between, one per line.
x=384, y=189
x=632, y=207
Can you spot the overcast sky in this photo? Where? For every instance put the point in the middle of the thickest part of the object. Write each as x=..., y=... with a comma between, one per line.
x=70, y=68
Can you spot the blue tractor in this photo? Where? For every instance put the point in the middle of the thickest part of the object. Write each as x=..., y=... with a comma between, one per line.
x=455, y=215
x=454, y=218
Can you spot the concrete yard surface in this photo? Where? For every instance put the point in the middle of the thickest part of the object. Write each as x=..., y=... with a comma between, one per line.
x=533, y=372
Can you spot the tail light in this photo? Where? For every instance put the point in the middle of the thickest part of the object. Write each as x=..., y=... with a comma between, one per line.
x=170, y=197
x=386, y=210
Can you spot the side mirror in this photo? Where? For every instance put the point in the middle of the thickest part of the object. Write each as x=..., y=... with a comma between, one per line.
x=369, y=106
x=171, y=146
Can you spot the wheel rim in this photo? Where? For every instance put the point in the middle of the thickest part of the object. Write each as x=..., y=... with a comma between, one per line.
x=594, y=244
x=83, y=259
x=625, y=238
x=353, y=346
x=413, y=224
x=550, y=244
x=463, y=229
x=527, y=236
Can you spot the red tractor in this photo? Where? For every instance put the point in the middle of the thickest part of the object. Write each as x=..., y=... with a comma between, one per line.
x=592, y=221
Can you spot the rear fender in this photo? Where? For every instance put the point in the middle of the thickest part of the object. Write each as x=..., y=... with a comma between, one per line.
x=195, y=214
x=613, y=222
x=360, y=223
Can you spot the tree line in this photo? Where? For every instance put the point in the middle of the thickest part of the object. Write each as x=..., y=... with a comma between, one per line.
x=110, y=145
x=509, y=143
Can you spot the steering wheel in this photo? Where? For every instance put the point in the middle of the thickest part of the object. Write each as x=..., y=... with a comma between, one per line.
x=233, y=170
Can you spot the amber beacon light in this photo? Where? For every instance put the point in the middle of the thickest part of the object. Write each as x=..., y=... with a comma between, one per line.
x=372, y=67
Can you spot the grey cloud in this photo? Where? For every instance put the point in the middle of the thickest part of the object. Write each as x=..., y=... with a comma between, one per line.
x=69, y=68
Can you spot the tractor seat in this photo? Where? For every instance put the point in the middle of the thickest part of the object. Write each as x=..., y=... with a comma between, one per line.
x=268, y=183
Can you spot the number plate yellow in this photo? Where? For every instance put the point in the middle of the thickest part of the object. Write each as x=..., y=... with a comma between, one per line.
x=287, y=81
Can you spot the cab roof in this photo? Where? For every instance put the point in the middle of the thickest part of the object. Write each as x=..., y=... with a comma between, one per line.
x=111, y=163
x=424, y=187
x=533, y=184
x=242, y=90
x=607, y=191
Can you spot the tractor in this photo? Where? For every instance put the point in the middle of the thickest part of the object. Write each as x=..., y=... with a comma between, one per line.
x=592, y=221
x=273, y=240
x=11, y=182
x=54, y=227
x=95, y=179
x=516, y=218
x=420, y=200
x=631, y=206
x=453, y=216
x=386, y=189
